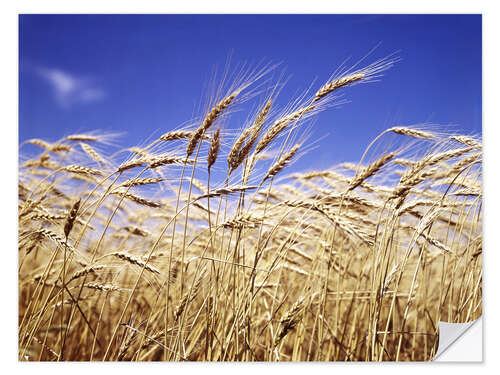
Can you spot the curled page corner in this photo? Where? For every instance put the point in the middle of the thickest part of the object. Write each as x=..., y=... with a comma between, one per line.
x=460, y=342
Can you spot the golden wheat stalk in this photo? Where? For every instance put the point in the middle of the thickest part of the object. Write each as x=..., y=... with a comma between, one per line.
x=280, y=164
x=210, y=118
x=135, y=260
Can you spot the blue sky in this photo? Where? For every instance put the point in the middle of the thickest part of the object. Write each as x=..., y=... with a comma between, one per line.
x=147, y=74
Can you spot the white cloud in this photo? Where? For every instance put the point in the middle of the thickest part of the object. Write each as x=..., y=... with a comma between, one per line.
x=69, y=89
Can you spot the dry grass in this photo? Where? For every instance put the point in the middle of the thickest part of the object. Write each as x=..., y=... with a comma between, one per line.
x=124, y=260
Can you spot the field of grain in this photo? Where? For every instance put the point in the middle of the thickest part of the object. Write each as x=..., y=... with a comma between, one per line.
x=208, y=245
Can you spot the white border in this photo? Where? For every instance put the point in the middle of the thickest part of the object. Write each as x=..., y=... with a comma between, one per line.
x=464, y=342
x=255, y=6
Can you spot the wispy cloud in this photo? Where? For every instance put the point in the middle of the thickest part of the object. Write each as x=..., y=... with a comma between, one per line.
x=70, y=89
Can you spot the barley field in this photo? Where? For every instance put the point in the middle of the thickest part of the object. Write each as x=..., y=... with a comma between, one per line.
x=206, y=244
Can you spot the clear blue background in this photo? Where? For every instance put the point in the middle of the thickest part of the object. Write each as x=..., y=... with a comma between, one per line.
x=148, y=72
